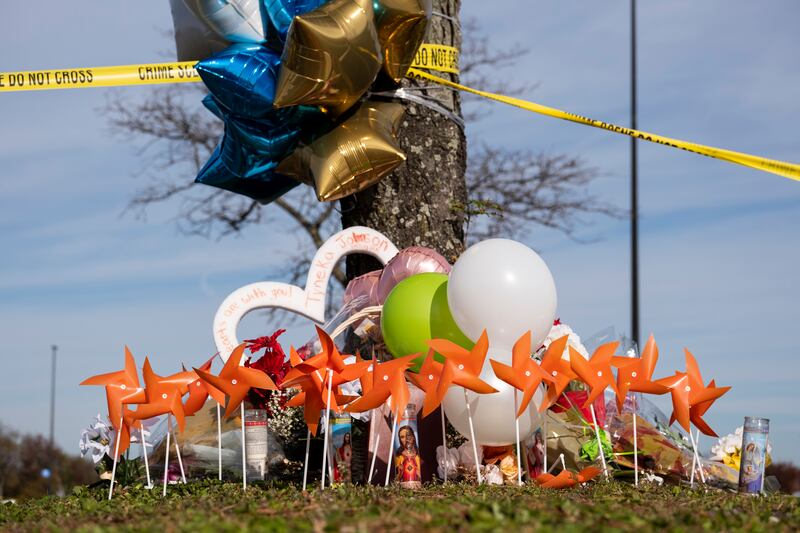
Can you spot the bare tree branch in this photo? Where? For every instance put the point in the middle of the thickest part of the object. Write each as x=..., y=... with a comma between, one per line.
x=509, y=190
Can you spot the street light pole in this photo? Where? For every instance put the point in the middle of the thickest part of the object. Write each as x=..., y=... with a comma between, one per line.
x=634, y=191
x=54, y=349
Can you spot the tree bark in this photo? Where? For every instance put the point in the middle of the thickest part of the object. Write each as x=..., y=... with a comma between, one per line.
x=420, y=203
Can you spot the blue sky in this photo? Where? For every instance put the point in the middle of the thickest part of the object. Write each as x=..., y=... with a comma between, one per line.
x=718, y=242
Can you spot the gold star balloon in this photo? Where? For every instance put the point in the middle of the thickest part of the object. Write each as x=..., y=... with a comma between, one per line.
x=331, y=57
x=596, y=373
x=122, y=387
x=524, y=374
x=236, y=381
x=401, y=28
x=353, y=156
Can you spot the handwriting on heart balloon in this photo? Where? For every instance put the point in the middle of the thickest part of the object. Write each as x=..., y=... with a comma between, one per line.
x=308, y=302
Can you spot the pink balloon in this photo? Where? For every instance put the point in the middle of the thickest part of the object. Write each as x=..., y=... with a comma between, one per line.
x=407, y=262
x=364, y=285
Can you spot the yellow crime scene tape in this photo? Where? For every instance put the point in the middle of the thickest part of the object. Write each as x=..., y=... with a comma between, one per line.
x=781, y=168
x=437, y=57
x=79, y=78
x=430, y=57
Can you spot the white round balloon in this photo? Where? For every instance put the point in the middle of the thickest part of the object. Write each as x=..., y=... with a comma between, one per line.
x=504, y=287
x=492, y=414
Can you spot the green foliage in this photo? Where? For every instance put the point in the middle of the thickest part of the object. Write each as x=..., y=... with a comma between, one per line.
x=211, y=506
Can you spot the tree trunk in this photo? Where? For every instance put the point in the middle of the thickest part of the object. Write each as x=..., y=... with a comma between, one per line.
x=420, y=203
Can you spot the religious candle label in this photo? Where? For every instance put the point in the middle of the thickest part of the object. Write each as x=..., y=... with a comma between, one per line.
x=533, y=458
x=255, y=434
x=341, y=447
x=406, y=459
x=754, y=455
x=255, y=440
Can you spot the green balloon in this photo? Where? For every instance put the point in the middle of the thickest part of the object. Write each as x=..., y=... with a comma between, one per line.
x=415, y=312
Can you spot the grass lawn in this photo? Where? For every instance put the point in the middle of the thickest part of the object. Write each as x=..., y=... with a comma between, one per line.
x=210, y=506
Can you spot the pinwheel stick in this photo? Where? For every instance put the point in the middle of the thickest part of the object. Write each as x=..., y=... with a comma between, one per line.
x=599, y=442
x=219, y=443
x=391, y=446
x=444, y=443
x=374, y=457
x=327, y=420
x=178, y=454
x=166, y=465
x=305, y=463
x=244, y=452
x=144, y=454
x=555, y=463
x=544, y=435
x=519, y=454
x=635, y=445
x=472, y=437
x=116, y=454
x=695, y=459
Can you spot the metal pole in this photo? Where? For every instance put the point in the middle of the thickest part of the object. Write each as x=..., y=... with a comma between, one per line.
x=634, y=191
x=54, y=349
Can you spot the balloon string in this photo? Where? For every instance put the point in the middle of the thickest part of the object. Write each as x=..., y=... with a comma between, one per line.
x=448, y=17
x=403, y=94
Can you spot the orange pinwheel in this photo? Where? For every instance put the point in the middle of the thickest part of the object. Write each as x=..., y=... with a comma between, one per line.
x=236, y=381
x=566, y=478
x=696, y=412
x=122, y=387
x=199, y=391
x=312, y=396
x=388, y=380
x=636, y=374
x=164, y=395
x=558, y=368
x=596, y=373
x=687, y=390
x=307, y=376
x=461, y=366
x=428, y=379
x=524, y=374
x=329, y=358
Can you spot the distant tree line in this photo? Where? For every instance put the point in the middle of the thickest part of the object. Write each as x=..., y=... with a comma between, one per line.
x=23, y=458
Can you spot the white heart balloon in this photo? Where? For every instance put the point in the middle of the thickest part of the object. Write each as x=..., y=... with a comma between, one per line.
x=308, y=302
x=493, y=415
x=234, y=20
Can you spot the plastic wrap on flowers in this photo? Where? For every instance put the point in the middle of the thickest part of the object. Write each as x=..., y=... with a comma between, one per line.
x=199, y=448
x=663, y=450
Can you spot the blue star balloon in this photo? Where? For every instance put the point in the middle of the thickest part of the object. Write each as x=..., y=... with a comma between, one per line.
x=245, y=160
x=279, y=13
x=265, y=188
x=242, y=78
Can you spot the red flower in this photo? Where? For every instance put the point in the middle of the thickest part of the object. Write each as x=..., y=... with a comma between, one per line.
x=576, y=399
x=273, y=363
